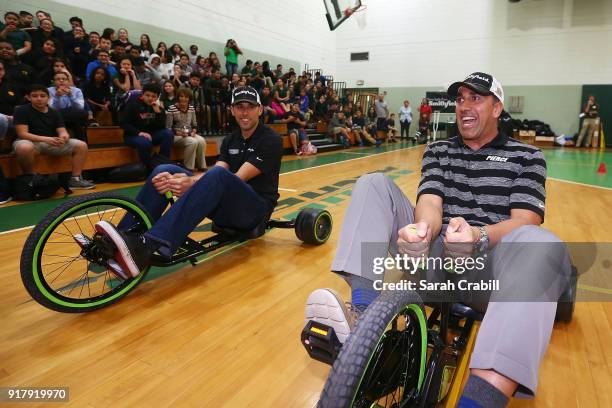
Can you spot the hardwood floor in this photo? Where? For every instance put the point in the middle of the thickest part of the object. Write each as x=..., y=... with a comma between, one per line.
x=225, y=333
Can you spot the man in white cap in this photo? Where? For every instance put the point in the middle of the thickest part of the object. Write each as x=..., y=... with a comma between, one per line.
x=239, y=192
x=484, y=191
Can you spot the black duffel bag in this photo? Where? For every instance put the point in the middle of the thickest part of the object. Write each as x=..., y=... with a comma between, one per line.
x=29, y=187
x=128, y=173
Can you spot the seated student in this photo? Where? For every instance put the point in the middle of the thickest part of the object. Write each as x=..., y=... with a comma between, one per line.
x=391, y=129
x=9, y=31
x=26, y=20
x=168, y=96
x=359, y=127
x=340, y=131
x=464, y=199
x=47, y=31
x=199, y=103
x=43, y=58
x=320, y=110
x=11, y=94
x=295, y=128
x=247, y=70
x=17, y=72
x=69, y=102
x=239, y=192
x=181, y=120
x=102, y=60
x=123, y=39
x=94, y=43
x=269, y=113
x=282, y=94
x=117, y=53
x=304, y=103
x=126, y=79
x=40, y=130
x=144, y=122
x=97, y=91
x=5, y=191
x=145, y=73
x=76, y=50
x=185, y=65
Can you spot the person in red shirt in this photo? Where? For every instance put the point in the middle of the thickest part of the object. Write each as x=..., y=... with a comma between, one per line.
x=424, y=117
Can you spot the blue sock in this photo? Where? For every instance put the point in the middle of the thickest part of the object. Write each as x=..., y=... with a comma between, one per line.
x=362, y=297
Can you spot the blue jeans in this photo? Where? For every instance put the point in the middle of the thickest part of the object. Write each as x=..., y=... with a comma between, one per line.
x=219, y=195
x=231, y=68
x=163, y=137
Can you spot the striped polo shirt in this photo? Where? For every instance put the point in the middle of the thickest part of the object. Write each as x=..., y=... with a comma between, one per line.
x=482, y=186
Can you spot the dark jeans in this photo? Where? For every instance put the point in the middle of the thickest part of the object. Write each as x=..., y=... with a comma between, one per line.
x=219, y=195
x=404, y=126
x=163, y=137
x=75, y=119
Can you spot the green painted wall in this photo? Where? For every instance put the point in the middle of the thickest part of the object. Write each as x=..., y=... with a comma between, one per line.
x=558, y=106
x=94, y=21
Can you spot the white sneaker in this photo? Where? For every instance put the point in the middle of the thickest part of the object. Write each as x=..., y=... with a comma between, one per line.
x=6, y=200
x=325, y=306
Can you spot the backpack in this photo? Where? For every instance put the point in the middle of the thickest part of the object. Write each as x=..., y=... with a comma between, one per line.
x=29, y=187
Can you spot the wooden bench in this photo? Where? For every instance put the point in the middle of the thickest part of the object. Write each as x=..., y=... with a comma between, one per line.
x=106, y=149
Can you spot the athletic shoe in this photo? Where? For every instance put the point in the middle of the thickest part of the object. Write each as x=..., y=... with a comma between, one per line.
x=80, y=184
x=133, y=252
x=5, y=200
x=325, y=306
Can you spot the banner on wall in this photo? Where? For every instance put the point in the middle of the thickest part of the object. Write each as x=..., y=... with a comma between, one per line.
x=440, y=102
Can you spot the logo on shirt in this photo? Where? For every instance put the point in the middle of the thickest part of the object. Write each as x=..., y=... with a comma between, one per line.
x=250, y=149
x=497, y=159
x=540, y=205
x=258, y=158
x=234, y=151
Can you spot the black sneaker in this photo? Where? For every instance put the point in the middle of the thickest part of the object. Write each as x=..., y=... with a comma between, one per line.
x=133, y=251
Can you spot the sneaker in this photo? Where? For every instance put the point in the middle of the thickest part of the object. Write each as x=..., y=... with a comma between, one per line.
x=80, y=184
x=325, y=306
x=133, y=252
x=6, y=200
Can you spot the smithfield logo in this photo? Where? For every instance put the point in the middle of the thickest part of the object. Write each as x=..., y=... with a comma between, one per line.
x=245, y=91
x=497, y=159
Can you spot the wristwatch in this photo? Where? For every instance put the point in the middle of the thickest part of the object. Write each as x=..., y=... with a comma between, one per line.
x=482, y=244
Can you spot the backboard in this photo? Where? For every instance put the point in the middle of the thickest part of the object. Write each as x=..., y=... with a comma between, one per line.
x=339, y=10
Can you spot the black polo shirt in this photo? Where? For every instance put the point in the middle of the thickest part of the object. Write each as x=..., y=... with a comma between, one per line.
x=484, y=185
x=264, y=150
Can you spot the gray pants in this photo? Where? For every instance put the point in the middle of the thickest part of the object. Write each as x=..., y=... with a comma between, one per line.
x=514, y=334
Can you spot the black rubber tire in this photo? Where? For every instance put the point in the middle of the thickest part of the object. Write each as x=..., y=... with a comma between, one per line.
x=357, y=354
x=313, y=226
x=91, y=208
x=567, y=301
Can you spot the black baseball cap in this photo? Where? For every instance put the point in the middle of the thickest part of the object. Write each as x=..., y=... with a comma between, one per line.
x=245, y=94
x=481, y=83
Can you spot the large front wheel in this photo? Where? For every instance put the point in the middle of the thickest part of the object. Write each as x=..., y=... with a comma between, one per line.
x=63, y=262
x=382, y=362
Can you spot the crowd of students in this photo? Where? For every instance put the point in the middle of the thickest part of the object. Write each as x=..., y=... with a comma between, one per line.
x=159, y=95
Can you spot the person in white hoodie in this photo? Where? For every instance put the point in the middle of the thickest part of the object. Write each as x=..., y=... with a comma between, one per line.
x=156, y=64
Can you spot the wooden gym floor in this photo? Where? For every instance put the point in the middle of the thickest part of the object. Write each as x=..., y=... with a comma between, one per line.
x=226, y=332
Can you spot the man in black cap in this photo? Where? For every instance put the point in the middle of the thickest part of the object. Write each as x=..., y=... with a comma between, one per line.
x=478, y=190
x=239, y=192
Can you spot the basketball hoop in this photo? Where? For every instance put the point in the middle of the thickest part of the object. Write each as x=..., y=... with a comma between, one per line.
x=360, y=16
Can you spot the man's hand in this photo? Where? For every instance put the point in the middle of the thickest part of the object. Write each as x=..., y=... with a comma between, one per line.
x=55, y=141
x=414, y=239
x=460, y=238
x=145, y=135
x=177, y=183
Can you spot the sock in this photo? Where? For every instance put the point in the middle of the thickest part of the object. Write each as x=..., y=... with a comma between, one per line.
x=480, y=394
x=362, y=292
x=76, y=177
